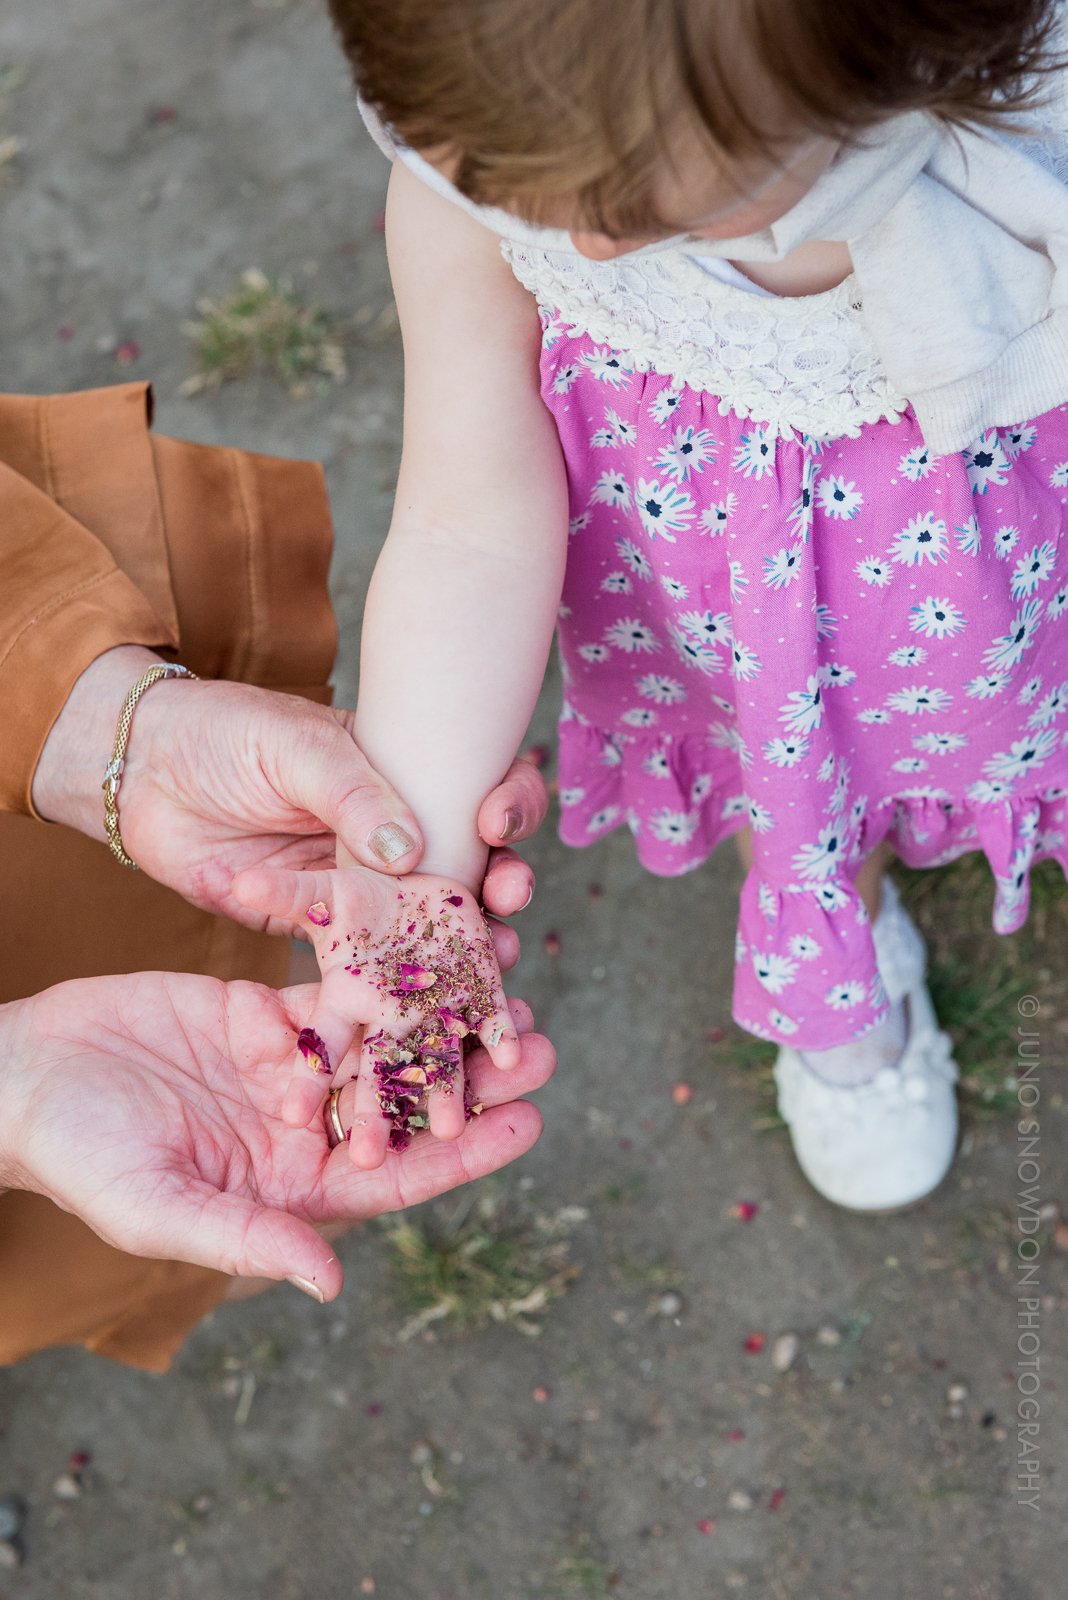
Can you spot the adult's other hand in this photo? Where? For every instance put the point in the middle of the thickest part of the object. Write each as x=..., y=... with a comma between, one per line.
x=148, y=1106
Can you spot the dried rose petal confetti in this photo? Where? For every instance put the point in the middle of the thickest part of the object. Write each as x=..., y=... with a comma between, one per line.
x=552, y=944
x=413, y=977
x=79, y=1460
x=454, y=899
x=754, y=1344
x=540, y=1394
x=744, y=1210
x=537, y=755
x=65, y=331
x=776, y=1500
x=706, y=1525
x=127, y=351
x=318, y=915
x=715, y=1035
x=314, y=1051
x=682, y=1094
x=736, y=1434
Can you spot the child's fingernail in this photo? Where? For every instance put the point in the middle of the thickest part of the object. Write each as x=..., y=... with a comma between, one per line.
x=389, y=841
x=306, y=1286
x=513, y=821
x=529, y=898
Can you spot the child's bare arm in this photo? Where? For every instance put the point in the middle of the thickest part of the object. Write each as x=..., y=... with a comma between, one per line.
x=462, y=605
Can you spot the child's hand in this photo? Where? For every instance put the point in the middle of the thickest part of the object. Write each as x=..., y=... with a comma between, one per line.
x=408, y=972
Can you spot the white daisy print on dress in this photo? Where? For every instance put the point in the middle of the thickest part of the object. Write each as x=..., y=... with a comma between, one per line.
x=831, y=896
x=738, y=580
x=1057, y=607
x=725, y=738
x=1023, y=757
x=605, y=818
x=623, y=430
x=690, y=450
x=1030, y=691
x=834, y=675
x=702, y=657
x=801, y=511
x=775, y=972
x=803, y=710
x=804, y=947
x=612, y=489
x=916, y=464
x=786, y=1025
x=715, y=519
x=1005, y=541
x=634, y=558
x=919, y=700
x=1009, y=648
x=755, y=455
x=1032, y=569
x=839, y=499
x=571, y=797
x=607, y=367
x=663, y=509
x=844, y=996
x=673, y=587
x=566, y=378
x=907, y=655
x=987, y=465
x=760, y=818
x=987, y=793
x=661, y=690
x=665, y=406
x=700, y=788
x=969, y=536
x=923, y=539
x=940, y=744
x=616, y=583
x=782, y=569
x=631, y=636
x=639, y=717
x=909, y=764
x=873, y=571
x=824, y=858
x=874, y=717
x=710, y=627
x=1059, y=476
x=656, y=764
x=673, y=827
x=987, y=686
x=826, y=621
x=593, y=653
x=936, y=618
x=1053, y=705
x=745, y=663
x=785, y=752
x=1015, y=440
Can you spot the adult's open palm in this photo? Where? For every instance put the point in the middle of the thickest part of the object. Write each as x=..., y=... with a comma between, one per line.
x=149, y=1106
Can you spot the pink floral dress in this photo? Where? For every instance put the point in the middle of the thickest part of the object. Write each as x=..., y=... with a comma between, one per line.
x=780, y=611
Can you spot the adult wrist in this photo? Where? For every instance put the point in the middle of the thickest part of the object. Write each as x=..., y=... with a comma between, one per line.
x=67, y=780
x=14, y=1048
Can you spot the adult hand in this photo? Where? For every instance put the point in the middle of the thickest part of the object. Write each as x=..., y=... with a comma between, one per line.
x=221, y=777
x=149, y=1106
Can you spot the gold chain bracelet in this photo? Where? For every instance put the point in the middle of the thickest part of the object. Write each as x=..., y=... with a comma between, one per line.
x=114, y=769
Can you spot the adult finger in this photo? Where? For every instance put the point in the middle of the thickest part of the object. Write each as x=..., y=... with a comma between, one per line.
x=330, y=777
x=508, y=886
x=431, y=1166
x=229, y=1232
x=505, y=943
x=516, y=808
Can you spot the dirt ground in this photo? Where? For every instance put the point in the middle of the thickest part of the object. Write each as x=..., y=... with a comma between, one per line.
x=643, y=1443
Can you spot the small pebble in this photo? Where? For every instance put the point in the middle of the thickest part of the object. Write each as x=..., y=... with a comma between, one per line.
x=828, y=1335
x=669, y=1304
x=67, y=1487
x=421, y=1455
x=740, y=1500
x=785, y=1351
x=10, y=1556
x=956, y=1393
x=12, y=1516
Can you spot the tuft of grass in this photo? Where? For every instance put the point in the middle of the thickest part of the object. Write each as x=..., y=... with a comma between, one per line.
x=264, y=326
x=489, y=1261
x=582, y=1575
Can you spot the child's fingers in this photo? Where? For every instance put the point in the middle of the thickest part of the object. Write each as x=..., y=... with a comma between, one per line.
x=497, y=1032
x=302, y=897
x=369, y=1139
x=322, y=1046
x=505, y=943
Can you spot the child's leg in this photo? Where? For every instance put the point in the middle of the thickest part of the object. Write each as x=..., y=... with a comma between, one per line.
x=869, y=879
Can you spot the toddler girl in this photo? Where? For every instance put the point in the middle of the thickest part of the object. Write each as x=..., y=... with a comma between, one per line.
x=797, y=421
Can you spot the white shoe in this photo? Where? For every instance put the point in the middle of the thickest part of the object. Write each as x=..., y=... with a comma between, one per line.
x=881, y=1145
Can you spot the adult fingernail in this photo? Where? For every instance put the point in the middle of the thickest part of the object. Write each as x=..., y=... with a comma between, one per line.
x=389, y=841
x=529, y=898
x=513, y=821
x=306, y=1286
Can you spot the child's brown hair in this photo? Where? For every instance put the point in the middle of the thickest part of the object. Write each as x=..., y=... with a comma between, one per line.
x=547, y=104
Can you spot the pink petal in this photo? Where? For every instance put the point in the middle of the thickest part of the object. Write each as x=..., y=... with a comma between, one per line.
x=318, y=915
x=414, y=977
